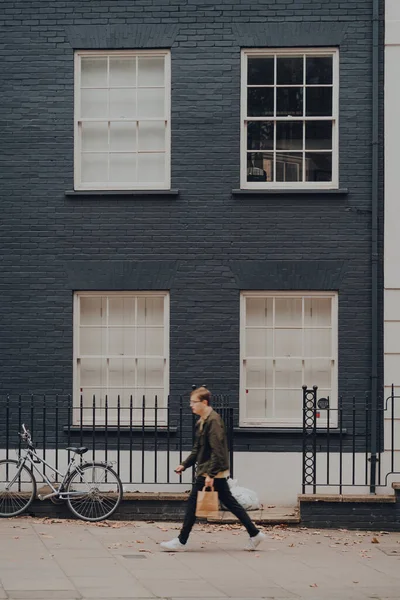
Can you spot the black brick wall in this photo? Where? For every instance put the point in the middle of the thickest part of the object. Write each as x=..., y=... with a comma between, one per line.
x=198, y=243
x=374, y=516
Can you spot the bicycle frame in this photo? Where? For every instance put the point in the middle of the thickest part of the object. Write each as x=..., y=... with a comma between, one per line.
x=32, y=458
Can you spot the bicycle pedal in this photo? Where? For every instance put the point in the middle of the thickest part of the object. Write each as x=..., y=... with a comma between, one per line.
x=40, y=496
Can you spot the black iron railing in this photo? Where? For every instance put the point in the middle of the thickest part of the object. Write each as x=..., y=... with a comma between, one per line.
x=337, y=442
x=145, y=440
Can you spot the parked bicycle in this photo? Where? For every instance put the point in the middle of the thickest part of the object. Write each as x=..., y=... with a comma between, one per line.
x=92, y=490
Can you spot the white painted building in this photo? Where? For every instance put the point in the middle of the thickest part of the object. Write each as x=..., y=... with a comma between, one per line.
x=392, y=205
x=392, y=213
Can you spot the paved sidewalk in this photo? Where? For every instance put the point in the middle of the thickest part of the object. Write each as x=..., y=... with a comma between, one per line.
x=64, y=560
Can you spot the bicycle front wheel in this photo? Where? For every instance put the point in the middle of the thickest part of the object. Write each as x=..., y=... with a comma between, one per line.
x=93, y=492
x=17, y=488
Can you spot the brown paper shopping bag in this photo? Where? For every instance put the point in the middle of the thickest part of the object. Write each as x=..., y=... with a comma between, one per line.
x=207, y=502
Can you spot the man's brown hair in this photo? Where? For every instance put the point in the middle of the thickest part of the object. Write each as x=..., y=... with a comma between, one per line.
x=203, y=394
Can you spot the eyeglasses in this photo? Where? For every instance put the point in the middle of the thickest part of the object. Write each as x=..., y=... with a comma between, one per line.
x=192, y=402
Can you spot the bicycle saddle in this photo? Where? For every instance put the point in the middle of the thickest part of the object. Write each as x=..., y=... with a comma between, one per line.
x=78, y=450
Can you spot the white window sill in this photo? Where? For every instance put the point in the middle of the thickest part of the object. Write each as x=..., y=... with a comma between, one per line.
x=120, y=193
x=279, y=429
x=290, y=192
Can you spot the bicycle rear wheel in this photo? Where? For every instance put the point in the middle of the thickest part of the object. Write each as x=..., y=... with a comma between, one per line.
x=96, y=491
x=17, y=488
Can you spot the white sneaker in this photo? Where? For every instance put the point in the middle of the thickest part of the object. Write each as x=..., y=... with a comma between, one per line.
x=173, y=546
x=255, y=541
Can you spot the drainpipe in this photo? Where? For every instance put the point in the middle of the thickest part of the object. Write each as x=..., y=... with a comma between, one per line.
x=374, y=243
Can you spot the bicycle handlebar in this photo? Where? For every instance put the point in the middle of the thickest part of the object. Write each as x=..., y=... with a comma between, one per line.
x=26, y=434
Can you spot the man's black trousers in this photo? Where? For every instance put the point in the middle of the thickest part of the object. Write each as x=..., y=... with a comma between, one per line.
x=224, y=493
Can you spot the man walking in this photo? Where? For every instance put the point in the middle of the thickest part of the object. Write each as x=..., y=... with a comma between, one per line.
x=210, y=452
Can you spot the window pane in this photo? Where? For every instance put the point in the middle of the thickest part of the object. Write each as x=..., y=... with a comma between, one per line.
x=150, y=310
x=151, y=103
x=289, y=167
x=288, y=342
x=121, y=341
x=94, y=137
x=260, y=135
x=150, y=402
x=259, y=342
x=288, y=312
x=319, y=166
x=260, y=166
x=92, y=341
x=122, y=167
x=122, y=103
x=150, y=341
x=289, y=70
x=259, y=404
x=122, y=71
x=151, y=168
x=317, y=342
x=260, y=71
x=289, y=136
x=88, y=395
x=93, y=72
x=289, y=102
x=121, y=311
x=259, y=311
x=94, y=168
x=318, y=135
x=122, y=137
x=152, y=135
x=94, y=104
x=288, y=373
x=93, y=372
x=319, y=102
x=317, y=312
x=259, y=373
x=150, y=373
x=93, y=310
x=124, y=397
x=289, y=404
x=318, y=372
x=151, y=71
x=260, y=102
x=121, y=373
x=319, y=69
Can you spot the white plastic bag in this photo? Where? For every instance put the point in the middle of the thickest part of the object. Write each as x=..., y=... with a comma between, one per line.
x=247, y=498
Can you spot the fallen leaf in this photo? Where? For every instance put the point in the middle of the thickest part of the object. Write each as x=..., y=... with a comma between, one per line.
x=144, y=550
x=313, y=585
x=374, y=540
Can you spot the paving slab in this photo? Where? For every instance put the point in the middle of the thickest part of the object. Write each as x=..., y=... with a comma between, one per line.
x=44, y=559
x=44, y=595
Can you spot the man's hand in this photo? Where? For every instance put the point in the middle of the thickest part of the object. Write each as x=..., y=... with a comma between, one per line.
x=209, y=481
x=179, y=469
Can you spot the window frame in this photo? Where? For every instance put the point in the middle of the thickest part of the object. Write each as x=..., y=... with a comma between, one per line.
x=281, y=185
x=162, y=402
x=292, y=423
x=78, y=184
